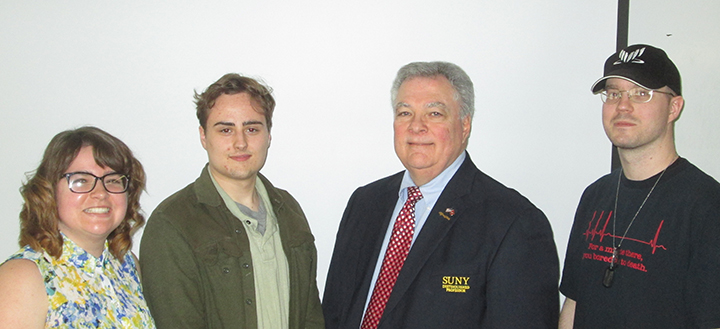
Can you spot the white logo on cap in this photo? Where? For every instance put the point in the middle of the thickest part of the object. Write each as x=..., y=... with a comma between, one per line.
x=631, y=57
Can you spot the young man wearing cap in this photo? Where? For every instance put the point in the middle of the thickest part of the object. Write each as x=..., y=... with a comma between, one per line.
x=644, y=250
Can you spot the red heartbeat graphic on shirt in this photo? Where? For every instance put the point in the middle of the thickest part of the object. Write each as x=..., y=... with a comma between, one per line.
x=596, y=231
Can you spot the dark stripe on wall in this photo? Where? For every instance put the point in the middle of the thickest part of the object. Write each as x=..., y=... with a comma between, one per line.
x=623, y=19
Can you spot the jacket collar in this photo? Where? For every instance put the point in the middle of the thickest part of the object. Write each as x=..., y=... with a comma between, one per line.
x=291, y=222
x=205, y=191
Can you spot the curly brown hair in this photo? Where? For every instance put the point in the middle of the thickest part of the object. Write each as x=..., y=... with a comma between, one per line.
x=231, y=84
x=39, y=215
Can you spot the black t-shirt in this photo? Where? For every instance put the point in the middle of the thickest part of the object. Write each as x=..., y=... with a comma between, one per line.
x=669, y=262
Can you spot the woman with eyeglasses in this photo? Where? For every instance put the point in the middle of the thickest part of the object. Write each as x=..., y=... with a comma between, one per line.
x=75, y=268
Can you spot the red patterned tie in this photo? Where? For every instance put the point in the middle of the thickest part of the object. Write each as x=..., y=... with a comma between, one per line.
x=395, y=255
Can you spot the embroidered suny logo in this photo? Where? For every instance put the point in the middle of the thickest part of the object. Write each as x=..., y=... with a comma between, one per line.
x=633, y=57
x=459, y=284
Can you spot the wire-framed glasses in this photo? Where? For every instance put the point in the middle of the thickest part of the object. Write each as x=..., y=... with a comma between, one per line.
x=84, y=182
x=636, y=95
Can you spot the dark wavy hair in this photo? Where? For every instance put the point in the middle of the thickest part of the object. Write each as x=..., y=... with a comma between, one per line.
x=39, y=215
x=230, y=84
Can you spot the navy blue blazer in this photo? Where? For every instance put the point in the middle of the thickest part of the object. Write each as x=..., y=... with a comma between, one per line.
x=485, y=258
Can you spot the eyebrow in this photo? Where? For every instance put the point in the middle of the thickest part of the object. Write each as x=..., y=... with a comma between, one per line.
x=401, y=104
x=615, y=86
x=436, y=104
x=223, y=123
x=113, y=171
x=440, y=105
x=232, y=124
x=249, y=123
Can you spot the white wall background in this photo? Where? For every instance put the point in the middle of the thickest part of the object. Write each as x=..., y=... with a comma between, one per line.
x=690, y=34
x=130, y=68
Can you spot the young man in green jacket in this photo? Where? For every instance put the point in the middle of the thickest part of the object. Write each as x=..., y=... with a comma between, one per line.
x=230, y=250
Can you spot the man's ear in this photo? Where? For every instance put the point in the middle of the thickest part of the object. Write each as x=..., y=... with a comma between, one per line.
x=677, y=104
x=202, y=136
x=466, y=127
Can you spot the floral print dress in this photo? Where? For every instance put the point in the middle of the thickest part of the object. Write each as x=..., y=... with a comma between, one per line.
x=88, y=292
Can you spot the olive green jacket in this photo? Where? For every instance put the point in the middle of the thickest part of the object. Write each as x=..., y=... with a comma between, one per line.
x=197, y=269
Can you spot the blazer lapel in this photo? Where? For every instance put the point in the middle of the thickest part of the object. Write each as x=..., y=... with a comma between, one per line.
x=374, y=223
x=377, y=220
x=438, y=224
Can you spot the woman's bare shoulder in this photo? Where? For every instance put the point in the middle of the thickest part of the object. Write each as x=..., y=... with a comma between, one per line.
x=24, y=303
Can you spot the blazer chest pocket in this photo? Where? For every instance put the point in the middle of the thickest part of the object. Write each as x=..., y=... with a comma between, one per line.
x=456, y=282
x=452, y=293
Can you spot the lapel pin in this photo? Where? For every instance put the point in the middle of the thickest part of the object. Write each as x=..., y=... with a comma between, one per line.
x=450, y=211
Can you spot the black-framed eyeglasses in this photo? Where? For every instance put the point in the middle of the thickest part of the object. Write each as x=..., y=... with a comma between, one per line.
x=84, y=182
x=636, y=95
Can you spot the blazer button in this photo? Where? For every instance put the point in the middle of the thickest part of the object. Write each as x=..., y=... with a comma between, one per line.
x=248, y=301
x=226, y=270
x=246, y=265
x=237, y=231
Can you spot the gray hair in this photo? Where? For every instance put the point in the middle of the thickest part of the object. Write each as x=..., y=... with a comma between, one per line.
x=464, y=91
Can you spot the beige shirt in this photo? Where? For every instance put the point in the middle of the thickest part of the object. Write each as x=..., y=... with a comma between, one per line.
x=271, y=276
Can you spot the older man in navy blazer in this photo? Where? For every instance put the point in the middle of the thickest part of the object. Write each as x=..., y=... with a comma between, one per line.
x=480, y=254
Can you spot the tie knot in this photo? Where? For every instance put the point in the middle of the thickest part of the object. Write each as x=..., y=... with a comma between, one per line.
x=414, y=194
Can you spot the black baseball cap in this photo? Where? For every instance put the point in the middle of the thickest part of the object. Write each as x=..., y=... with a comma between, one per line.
x=643, y=65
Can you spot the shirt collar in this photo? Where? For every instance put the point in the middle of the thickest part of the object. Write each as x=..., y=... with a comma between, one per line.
x=83, y=260
x=437, y=184
x=271, y=224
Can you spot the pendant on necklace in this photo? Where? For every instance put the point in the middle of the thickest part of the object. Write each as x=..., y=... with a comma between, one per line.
x=608, y=278
x=610, y=270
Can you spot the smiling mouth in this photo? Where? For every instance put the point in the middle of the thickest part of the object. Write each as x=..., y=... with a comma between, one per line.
x=97, y=210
